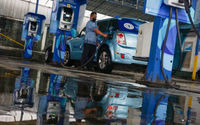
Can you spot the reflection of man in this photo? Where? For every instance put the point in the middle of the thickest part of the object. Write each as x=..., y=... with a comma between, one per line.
x=86, y=105
x=90, y=42
x=82, y=100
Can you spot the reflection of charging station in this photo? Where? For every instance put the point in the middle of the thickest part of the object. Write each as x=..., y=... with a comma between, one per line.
x=154, y=108
x=65, y=17
x=52, y=108
x=23, y=93
x=167, y=14
x=32, y=31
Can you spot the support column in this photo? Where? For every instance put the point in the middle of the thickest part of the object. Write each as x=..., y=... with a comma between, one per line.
x=38, y=81
x=44, y=38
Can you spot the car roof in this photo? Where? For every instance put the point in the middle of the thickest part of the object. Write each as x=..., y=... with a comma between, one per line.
x=121, y=18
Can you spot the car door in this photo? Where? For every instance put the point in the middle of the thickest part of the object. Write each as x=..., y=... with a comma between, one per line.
x=77, y=46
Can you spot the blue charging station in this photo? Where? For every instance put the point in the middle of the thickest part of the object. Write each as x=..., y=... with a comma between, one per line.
x=65, y=17
x=32, y=30
x=161, y=9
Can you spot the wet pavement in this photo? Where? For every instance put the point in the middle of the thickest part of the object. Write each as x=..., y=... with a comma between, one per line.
x=32, y=93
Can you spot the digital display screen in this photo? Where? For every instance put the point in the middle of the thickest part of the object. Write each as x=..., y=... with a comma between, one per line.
x=33, y=26
x=67, y=16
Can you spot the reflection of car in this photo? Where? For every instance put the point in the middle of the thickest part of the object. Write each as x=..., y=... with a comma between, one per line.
x=116, y=102
x=121, y=48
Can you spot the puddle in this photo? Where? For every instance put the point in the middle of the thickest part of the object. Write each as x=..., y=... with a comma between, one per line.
x=33, y=97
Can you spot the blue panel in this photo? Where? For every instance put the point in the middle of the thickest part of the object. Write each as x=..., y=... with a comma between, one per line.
x=158, y=8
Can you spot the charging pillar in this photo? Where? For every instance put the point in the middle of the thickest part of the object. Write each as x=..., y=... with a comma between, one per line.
x=66, y=16
x=154, y=73
x=161, y=9
x=32, y=30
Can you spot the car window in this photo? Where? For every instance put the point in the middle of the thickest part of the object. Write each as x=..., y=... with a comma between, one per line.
x=103, y=26
x=83, y=32
x=113, y=26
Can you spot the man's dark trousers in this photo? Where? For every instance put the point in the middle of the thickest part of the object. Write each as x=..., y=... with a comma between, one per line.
x=88, y=51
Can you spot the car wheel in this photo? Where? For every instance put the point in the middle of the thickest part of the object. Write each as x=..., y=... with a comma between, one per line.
x=104, y=62
x=67, y=60
x=48, y=55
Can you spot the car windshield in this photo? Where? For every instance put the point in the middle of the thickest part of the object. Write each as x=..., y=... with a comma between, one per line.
x=129, y=25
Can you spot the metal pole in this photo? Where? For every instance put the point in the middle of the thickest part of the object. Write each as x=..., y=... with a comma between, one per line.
x=36, y=8
x=196, y=58
x=137, y=4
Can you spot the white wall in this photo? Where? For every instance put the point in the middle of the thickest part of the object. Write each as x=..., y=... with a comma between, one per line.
x=16, y=9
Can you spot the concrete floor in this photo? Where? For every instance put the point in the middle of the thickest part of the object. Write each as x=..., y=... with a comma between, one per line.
x=122, y=76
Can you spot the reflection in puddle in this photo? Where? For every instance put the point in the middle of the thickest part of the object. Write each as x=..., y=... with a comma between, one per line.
x=32, y=97
x=23, y=94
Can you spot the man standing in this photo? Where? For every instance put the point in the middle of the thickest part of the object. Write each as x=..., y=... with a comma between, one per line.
x=90, y=42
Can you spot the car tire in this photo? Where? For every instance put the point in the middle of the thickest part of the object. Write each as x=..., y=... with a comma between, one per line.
x=67, y=60
x=48, y=55
x=104, y=61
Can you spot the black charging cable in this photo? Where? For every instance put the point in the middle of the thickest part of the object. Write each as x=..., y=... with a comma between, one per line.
x=180, y=43
x=187, y=9
x=164, y=45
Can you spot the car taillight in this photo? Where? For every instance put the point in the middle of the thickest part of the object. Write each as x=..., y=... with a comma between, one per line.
x=117, y=95
x=110, y=111
x=121, y=38
x=122, y=56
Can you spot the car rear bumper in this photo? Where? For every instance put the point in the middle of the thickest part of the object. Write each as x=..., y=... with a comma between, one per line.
x=125, y=55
